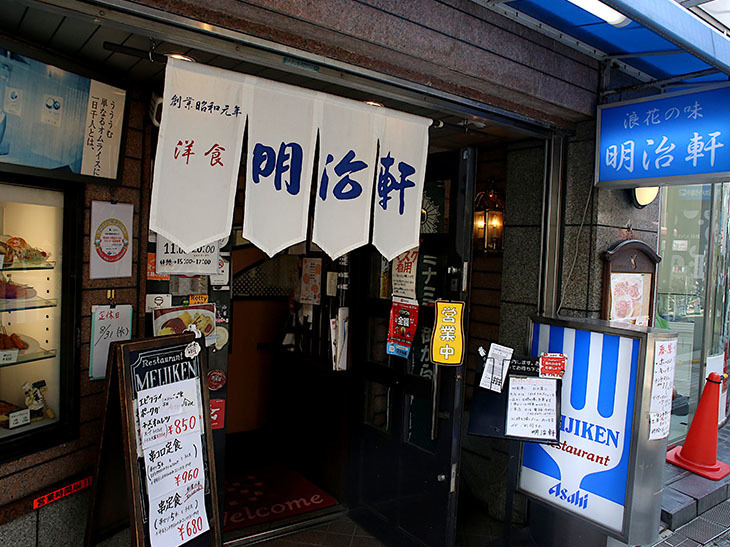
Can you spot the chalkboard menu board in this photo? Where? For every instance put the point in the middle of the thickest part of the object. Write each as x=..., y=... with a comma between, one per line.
x=157, y=415
x=527, y=409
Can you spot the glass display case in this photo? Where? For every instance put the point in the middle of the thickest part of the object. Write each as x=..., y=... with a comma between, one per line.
x=38, y=379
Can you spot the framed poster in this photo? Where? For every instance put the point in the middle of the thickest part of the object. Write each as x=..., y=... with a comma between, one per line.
x=629, y=282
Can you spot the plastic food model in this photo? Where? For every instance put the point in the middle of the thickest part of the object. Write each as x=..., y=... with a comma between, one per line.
x=11, y=290
x=12, y=341
x=36, y=401
x=16, y=248
x=177, y=325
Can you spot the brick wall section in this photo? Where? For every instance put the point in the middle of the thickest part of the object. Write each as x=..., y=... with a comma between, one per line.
x=30, y=474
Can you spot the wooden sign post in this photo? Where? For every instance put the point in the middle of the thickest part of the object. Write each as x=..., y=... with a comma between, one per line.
x=157, y=435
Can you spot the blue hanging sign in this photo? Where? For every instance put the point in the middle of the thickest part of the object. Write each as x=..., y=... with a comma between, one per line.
x=679, y=138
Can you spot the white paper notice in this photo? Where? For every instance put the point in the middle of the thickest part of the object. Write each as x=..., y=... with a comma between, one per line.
x=174, y=463
x=532, y=408
x=495, y=368
x=660, y=410
x=107, y=325
x=103, y=130
x=172, y=259
x=343, y=330
x=169, y=420
x=168, y=411
x=403, y=274
x=311, y=287
x=110, y=253
x=220, y=278
x=157, y=301
x=178, y=516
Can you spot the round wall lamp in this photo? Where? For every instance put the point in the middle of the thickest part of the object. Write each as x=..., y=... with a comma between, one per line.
x=643, y=196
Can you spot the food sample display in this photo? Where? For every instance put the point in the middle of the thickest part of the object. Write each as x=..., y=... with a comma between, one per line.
x=31, y=239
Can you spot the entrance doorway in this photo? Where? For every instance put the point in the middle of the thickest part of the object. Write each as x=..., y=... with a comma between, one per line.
x=307, y=444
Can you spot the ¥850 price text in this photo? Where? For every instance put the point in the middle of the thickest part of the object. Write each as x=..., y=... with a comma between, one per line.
x=182, y=425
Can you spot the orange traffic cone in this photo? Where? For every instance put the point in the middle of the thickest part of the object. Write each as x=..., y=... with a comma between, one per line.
x=699, y=453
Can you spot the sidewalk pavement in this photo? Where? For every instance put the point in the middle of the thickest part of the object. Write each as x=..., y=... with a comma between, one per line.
x=695, y=510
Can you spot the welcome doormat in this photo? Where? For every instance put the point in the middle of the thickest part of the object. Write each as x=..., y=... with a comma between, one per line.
x=269, y=493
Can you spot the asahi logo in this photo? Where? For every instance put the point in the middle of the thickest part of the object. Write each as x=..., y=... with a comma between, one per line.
x=577, y=498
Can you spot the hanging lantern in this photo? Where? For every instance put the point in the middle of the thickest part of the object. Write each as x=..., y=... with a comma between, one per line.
x=489, y=220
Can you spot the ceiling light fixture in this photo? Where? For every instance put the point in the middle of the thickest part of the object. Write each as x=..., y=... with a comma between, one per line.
x=602, y=11
x=180, y=57
x=373, y=103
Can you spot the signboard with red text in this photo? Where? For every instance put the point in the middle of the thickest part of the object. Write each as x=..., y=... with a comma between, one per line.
x=166, y=440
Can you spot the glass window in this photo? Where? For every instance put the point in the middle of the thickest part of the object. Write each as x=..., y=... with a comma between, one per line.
x=717, y=356
x=681, y=289
x=377, y=406
x=31, y=228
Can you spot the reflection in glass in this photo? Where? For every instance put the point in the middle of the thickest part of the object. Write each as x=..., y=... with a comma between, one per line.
x=419, y=422
x=683, y=246
x=377, y=406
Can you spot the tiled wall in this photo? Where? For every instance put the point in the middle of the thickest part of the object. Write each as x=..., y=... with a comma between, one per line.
x=610, y=219
x=63, y=522
x=457, y=46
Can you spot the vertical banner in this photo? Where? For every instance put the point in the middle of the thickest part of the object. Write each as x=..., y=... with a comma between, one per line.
x=347, y=155
x=198, y=154
x=111, y=240
x=281, y=141
x=400, y=175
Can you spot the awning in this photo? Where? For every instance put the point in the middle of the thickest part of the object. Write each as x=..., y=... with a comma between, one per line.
x=664, y=40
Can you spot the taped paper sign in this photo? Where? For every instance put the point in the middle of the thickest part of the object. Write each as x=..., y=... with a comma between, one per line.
x=172, y=259
x=311, y=287
x=662, y=385
x=532, y=408
x=496, y=366
x=403, y=274
x=111, y=240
